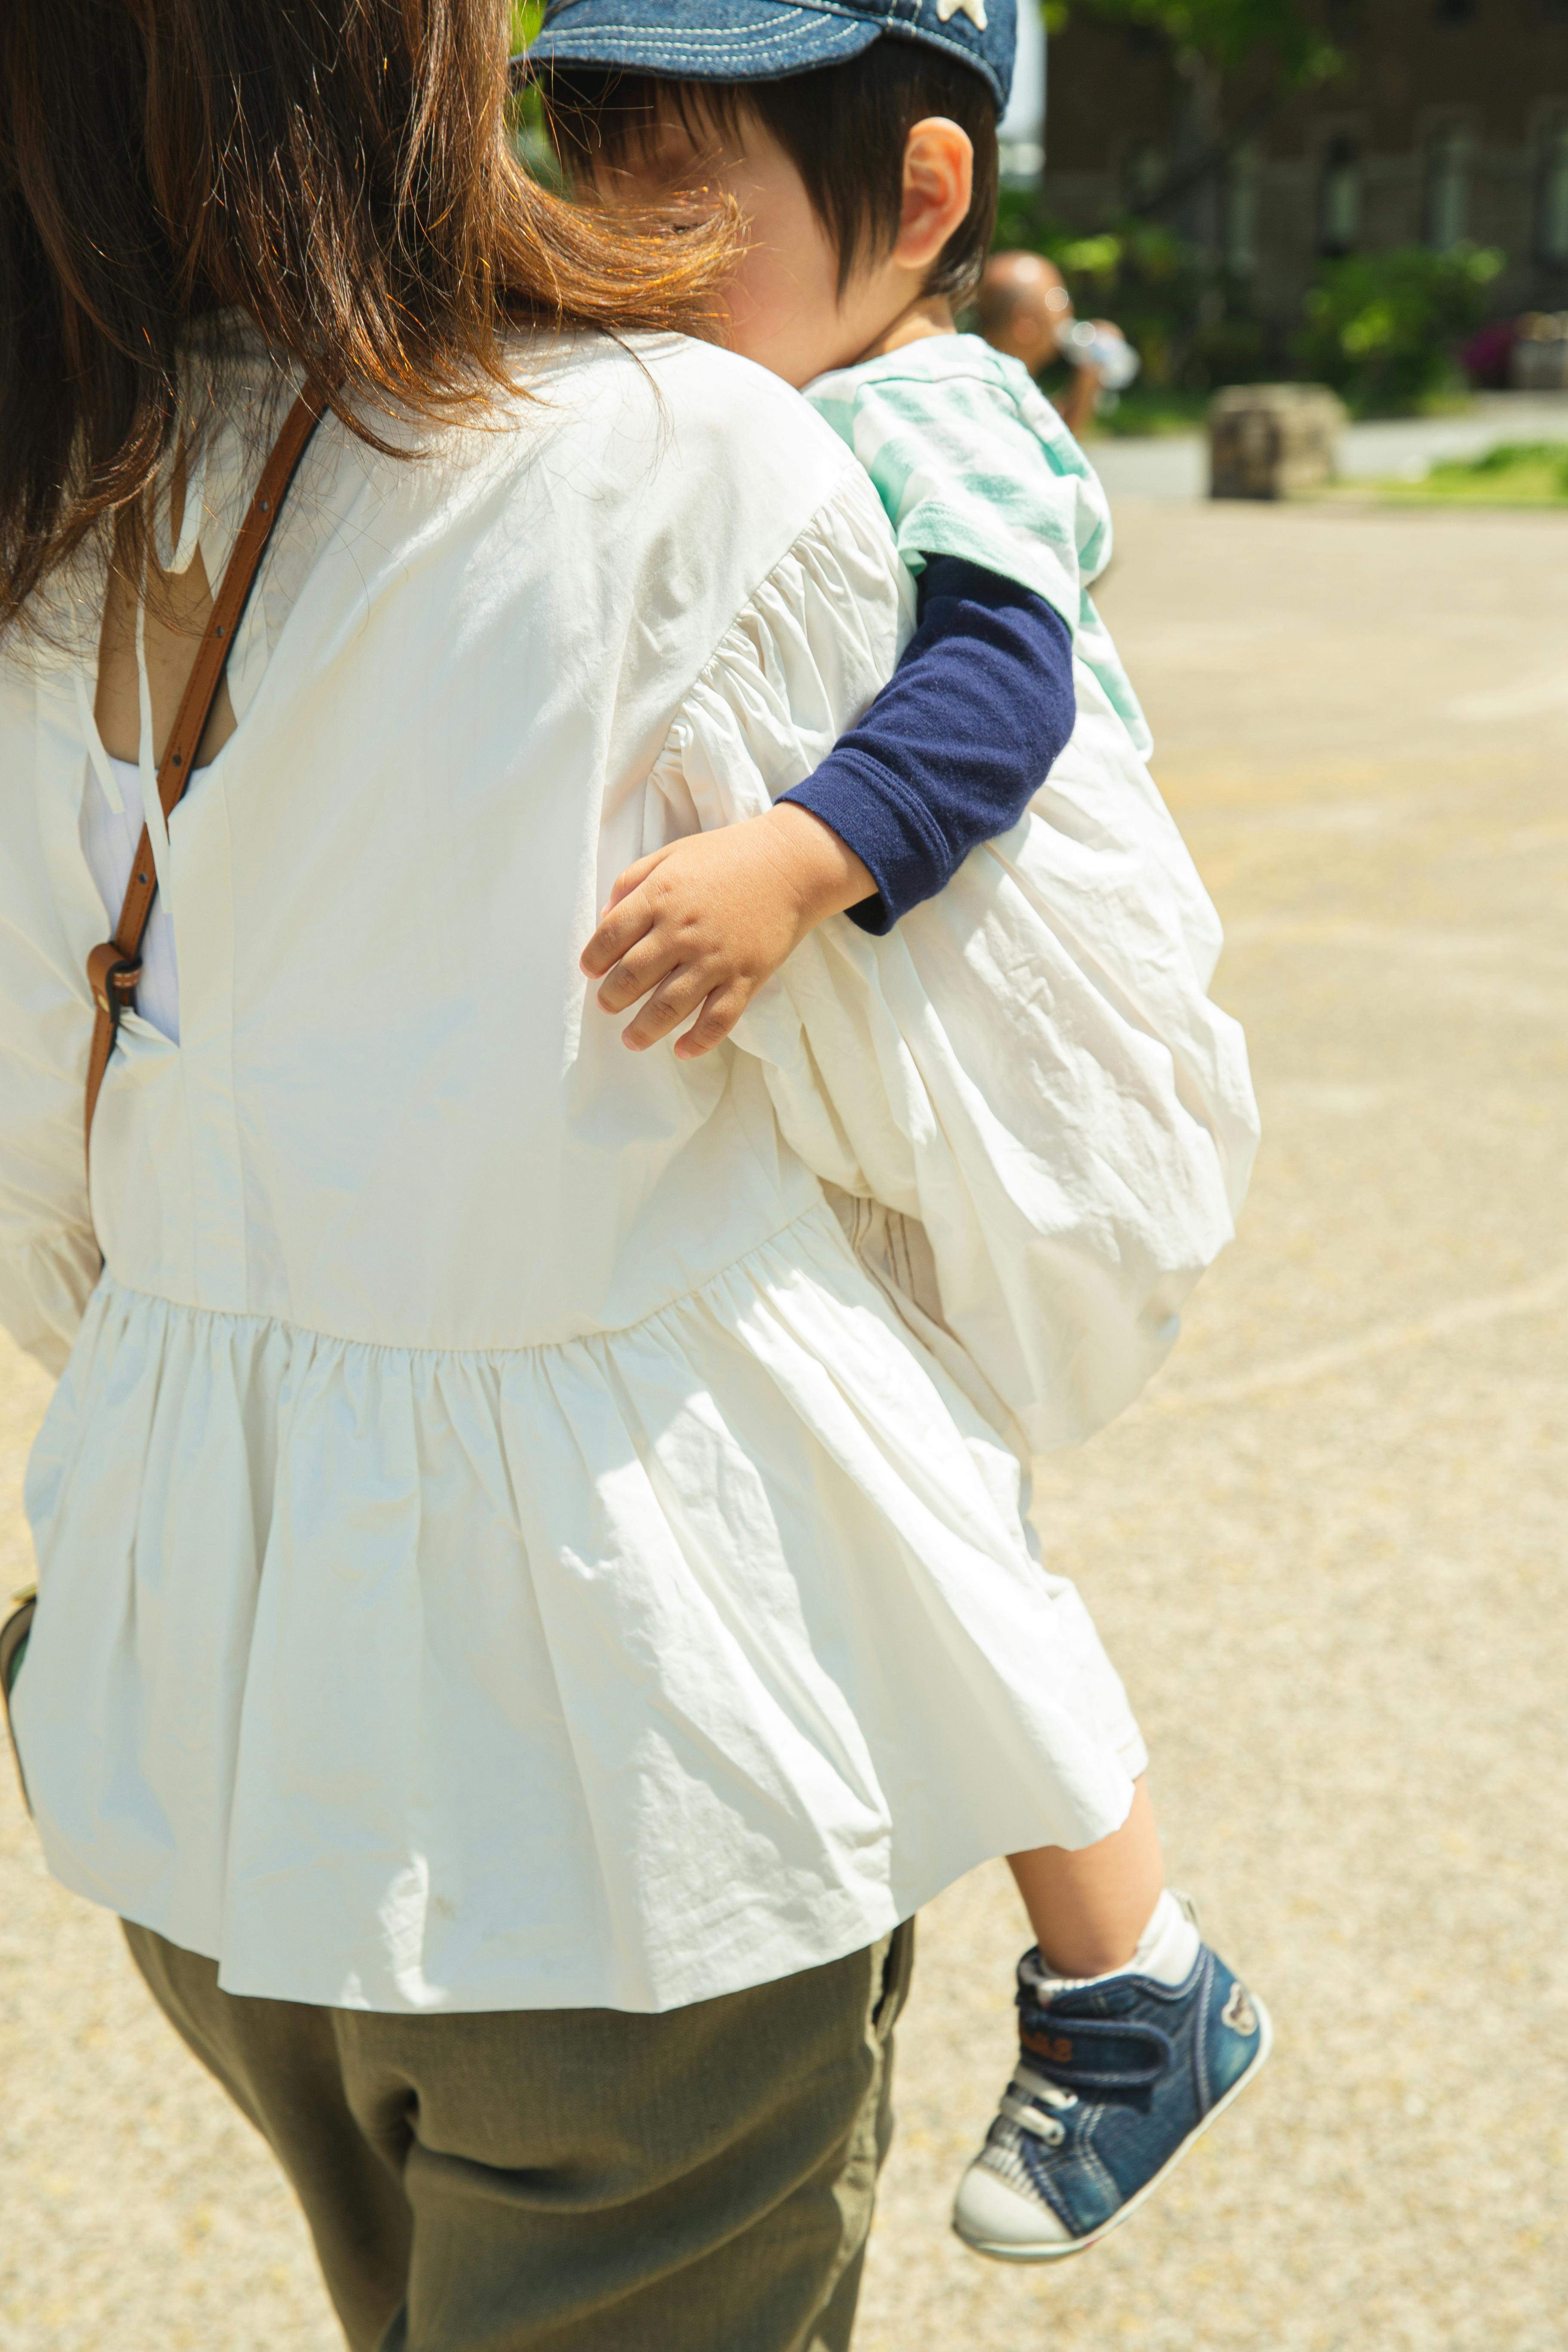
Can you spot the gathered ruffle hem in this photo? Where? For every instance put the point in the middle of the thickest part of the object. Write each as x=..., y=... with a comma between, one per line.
x=622, y=1672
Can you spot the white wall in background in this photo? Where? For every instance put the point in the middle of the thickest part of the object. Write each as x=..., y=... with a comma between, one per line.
x=1022, y=127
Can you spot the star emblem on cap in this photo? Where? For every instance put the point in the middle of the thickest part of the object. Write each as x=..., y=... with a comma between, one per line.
x=973, y=9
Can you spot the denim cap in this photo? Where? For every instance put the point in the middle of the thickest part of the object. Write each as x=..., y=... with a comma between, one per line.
x=764, y=40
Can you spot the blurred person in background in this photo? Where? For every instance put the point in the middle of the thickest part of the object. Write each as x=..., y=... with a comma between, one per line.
x=1027, y=312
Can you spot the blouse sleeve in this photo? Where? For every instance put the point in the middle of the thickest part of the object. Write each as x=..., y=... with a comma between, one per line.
x=48, y=1258
x=1040, y=1126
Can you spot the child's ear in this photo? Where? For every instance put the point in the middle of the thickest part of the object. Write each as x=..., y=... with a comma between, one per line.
x=939, y=181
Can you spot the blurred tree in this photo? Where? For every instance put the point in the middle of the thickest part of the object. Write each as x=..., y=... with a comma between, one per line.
x=1242, y=60
x=1383, y=328
x=1162, y=263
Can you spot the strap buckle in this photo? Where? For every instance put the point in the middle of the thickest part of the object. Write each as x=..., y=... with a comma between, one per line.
x=1093, y=2053
x=113, y=979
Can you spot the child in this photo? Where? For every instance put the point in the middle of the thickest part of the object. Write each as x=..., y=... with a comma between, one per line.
x=858, y=140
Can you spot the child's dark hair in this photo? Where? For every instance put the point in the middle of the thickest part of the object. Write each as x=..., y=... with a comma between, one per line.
x=843, y=126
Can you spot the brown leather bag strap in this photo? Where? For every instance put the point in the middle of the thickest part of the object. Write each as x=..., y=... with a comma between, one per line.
x=114, y=968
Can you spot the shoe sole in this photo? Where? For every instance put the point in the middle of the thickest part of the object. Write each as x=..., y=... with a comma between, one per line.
x=1058, y=2250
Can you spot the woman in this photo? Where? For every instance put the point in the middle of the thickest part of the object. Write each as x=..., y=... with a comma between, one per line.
x=521, y=1622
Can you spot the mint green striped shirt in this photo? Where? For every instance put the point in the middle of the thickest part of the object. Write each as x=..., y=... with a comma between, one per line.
x=969, y=458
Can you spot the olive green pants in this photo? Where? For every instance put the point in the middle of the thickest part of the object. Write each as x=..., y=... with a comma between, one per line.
x=574, y=2181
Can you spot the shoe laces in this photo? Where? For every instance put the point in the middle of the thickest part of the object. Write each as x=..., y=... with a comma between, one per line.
x=1025, y=2101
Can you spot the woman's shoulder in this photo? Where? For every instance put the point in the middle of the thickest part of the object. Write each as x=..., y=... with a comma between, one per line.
x=693, y=381
x=693, y=434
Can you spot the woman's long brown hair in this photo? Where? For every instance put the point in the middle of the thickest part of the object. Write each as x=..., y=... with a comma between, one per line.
x=340, y=170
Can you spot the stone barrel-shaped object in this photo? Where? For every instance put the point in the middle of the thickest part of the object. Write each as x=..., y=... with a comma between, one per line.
x=1272, y=440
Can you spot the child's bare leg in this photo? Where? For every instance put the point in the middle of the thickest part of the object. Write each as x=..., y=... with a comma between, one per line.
x=1088, y=1909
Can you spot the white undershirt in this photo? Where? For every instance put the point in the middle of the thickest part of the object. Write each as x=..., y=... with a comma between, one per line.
x=109, y=840
x=109, y=835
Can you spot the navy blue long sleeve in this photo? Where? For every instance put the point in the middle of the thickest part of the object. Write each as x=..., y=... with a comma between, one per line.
x=957, y=743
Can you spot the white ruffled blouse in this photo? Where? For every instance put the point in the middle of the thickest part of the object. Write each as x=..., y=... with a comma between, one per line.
x=522, y=1524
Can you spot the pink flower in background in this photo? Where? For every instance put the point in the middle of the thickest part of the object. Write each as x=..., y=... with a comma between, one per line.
x=1486, y=355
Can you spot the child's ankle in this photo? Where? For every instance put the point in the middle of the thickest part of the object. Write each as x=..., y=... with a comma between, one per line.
x=1165, y=1951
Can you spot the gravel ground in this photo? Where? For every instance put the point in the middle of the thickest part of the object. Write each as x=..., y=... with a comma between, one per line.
x=1326, y=1550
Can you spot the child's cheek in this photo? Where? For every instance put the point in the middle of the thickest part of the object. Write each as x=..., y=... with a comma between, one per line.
x=779, y=318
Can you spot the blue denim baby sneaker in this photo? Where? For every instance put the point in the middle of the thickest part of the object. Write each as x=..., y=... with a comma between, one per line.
x=1117, y=2076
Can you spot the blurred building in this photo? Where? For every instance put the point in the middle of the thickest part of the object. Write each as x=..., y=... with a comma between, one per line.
x=1451, y=123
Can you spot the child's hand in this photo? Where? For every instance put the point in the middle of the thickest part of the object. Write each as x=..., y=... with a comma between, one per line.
x=704, y=922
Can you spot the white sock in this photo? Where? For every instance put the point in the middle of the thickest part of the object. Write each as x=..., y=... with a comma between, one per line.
x=1166, y=1950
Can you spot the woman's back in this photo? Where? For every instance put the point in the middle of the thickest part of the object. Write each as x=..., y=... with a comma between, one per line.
x=468, y=1406
x=387, y=1119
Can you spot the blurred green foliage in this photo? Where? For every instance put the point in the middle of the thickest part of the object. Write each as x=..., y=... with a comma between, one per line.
x=524, y=112
x=1189, y=323
x=1518, y=474
x=1383, y=328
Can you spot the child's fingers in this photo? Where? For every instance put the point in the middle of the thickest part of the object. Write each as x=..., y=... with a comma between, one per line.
x=627, y=913
x=620, y=928
x=720, y=1014
x=642, y=967
x=635, y=874
x=675, y=1000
